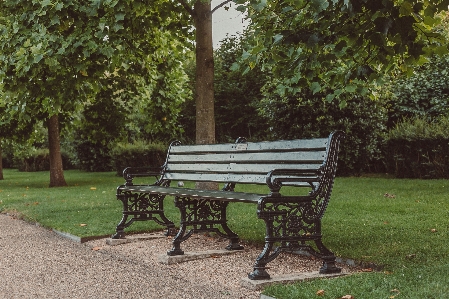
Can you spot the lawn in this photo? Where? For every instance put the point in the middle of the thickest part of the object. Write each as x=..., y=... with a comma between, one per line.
x=401, y=226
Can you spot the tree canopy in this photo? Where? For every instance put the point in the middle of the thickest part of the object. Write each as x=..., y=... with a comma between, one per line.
x=340, y=45
x=55, y=54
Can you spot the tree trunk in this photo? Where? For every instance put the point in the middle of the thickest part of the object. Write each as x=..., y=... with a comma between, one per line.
x=204, y=84
x=204, y=80
x=56, y=171
x=1, y=163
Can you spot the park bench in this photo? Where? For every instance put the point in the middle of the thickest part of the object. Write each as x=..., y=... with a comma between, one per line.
x=293, y=222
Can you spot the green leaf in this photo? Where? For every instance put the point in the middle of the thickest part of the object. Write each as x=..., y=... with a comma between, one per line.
x=277, y=38
x=45, y=3
x=320, y=5
x=351, y=87
x=260, y=6
x=38, y=58
x=235, y=67
x=119, y=17
x=315, y=87
x=342, y=104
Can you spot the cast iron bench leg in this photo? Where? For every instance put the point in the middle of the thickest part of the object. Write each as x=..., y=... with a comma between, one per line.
x=142, y=207
x=203, y=216
x=328, y=258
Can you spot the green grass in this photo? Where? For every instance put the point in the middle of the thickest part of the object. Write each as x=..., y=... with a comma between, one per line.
x=405, y=233
x=87, y=207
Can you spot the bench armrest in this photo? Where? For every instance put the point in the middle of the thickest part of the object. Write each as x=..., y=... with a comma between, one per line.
x=130, y=173
x=279, y=177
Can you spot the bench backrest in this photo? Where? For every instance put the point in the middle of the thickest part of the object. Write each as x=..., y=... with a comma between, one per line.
x=294, y=162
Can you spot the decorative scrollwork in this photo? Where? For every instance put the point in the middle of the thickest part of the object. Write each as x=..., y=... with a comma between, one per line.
x=142, y=206
x=202, y=215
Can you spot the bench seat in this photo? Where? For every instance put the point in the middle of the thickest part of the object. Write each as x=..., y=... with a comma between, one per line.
x=195, y=193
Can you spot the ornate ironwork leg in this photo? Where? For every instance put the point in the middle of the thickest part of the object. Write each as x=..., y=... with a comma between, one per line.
x=291, y=225
x=202, y=216
x=142, y=207
x=328, y=258
x=176, y=249
x=120, y=229
x=265, y=256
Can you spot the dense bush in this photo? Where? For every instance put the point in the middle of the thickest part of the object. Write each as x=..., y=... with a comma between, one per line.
x=93, y=156
x=418, y=148
x=34, y=159
x=310, y=116
x=138, y=154
x=425, y=94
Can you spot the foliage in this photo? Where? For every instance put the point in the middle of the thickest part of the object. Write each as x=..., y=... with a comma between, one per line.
x=309, y=115
x=237, y=95
x=420, y=128
x=37, y=159
x=424, y=94
x=338, y=46
x=418, y=148
x=55, y=56
x=138, y=154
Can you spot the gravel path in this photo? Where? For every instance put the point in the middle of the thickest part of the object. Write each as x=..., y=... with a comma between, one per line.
x=38, y=263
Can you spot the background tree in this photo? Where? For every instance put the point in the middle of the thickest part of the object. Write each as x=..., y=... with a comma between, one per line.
x=340, y=46
x=53, y=54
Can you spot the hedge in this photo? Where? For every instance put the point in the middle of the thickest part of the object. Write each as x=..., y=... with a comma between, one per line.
x=138, y=154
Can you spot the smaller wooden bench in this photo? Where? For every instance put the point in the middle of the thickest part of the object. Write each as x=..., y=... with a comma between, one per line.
x=293, y=222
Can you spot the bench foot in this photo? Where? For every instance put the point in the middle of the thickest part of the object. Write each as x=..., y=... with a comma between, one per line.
x=329, y=267
x=118, y=235
x=235, y=246
x=174, y=252
x=259, y=274
x=289, y=228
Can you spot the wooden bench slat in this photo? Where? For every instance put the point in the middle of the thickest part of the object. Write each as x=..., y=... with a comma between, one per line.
x=238, y=168
x=236, y=178
x=247, y=158
x=282, y=145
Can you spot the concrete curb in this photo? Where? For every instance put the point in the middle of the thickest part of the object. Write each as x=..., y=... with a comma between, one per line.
x=257, y=285
x=131, y=239
x=193, y=255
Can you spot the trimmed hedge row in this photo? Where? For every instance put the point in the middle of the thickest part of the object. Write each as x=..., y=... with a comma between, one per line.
x=138, y=154
x=418, y=148
x=39, y=160
x=423, y=158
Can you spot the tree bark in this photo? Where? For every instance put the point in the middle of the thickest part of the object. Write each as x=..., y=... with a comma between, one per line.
x=1, y=162
x=204, y=80
x=56, y=170
x=204, y=84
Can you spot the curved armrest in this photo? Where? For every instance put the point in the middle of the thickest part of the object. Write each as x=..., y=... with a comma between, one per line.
x=279, y=177
x=129, y=173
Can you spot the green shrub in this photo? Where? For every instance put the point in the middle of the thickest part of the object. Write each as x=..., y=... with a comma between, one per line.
x=93, y=156
x=425, y=94
x=310, y=116
x=34, y=159
x=418, y=148
x=138, y=154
